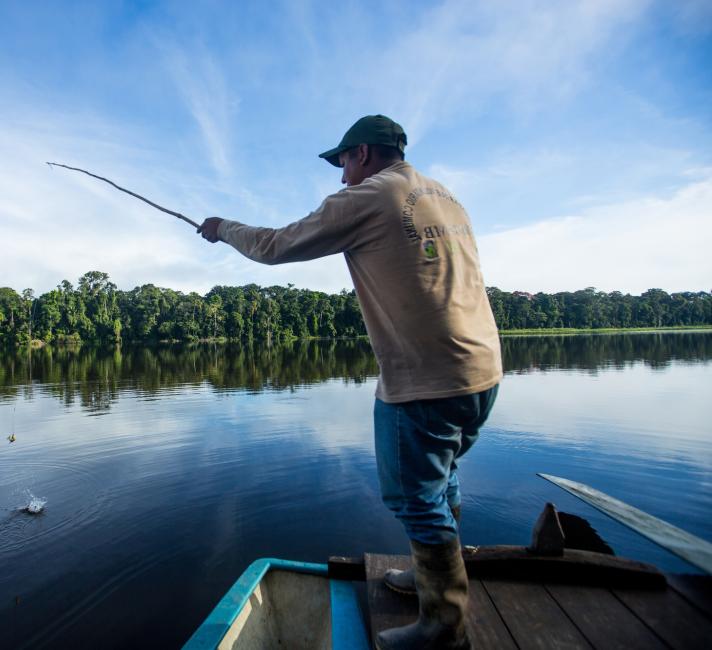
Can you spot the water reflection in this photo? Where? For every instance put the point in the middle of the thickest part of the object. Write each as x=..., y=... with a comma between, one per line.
x=598, y=351
x=95, y=377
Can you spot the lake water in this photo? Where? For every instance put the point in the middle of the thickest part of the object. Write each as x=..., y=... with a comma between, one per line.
x=165, y=472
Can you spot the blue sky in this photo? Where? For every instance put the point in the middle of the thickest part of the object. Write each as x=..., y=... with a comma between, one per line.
x=577, y=133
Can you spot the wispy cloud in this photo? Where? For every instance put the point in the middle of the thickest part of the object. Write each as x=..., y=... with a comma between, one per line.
x=505, y=179
x=462, y=55
x=516, y=186
x=631, y=246
x=213, y=104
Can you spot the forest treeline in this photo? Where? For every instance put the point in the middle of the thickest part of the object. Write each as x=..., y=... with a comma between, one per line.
x=97, y=311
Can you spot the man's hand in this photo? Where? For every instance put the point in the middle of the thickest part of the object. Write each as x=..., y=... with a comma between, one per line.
x=209, y=229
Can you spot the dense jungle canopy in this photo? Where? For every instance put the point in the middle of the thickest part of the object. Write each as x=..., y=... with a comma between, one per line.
x=97, y=311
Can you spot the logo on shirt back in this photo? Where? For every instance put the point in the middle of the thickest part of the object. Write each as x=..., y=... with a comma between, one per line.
x=428, y=235
x=430, y=249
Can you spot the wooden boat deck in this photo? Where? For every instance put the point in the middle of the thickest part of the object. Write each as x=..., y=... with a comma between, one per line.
x=550, y=609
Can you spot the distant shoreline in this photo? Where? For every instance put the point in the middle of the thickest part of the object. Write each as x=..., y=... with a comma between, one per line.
x=560, y=331
x=603, y=330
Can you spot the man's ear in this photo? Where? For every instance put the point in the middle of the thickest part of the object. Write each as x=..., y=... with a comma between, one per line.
x=364, y=154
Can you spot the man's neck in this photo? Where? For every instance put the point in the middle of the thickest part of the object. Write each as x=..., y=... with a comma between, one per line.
x=384, y=164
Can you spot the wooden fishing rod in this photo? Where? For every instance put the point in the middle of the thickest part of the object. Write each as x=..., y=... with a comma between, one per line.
x=138, y=196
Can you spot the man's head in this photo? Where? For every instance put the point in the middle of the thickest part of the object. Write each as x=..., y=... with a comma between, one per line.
x=373, y=143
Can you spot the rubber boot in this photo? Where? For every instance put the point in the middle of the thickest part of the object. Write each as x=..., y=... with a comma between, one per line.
x=441, y=580
x=403, y=582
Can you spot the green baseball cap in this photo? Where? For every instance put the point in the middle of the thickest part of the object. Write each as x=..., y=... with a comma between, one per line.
x=372, y=129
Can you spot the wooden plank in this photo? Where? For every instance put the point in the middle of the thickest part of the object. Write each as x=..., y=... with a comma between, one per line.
x=484, y=624
x=670, y=616
x=603, y=619
x=533, y=617
x=691, y=548
x=516, y=562
x=695, y=589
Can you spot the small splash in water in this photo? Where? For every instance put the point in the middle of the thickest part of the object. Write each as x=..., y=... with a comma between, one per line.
x=35, y=506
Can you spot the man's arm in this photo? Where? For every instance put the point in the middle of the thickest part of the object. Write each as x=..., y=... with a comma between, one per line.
x=334, y=227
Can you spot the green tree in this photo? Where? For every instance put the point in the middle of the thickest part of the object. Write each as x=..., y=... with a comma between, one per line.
x=11, y=315
x=49, y=315
x=28, y=302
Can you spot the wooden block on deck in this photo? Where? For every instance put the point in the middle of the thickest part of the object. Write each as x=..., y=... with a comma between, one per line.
x=347, y=568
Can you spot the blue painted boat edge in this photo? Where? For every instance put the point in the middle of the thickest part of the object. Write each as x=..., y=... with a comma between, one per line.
x=218, y=622
x=348, y=631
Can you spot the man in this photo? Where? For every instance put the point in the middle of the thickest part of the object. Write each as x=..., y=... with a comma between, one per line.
x=412, y=256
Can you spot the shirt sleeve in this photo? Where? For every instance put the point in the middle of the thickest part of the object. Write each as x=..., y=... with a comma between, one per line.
x=334, y=227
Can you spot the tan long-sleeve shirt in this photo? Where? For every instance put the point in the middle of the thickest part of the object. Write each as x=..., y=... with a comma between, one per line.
x=412, y=255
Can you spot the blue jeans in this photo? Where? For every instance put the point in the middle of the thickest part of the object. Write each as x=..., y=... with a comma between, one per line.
x=417, y=447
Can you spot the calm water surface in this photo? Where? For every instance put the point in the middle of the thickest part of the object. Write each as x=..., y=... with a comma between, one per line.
x=165, y=472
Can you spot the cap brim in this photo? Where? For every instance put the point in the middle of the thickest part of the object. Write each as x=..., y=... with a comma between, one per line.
x=332, y=155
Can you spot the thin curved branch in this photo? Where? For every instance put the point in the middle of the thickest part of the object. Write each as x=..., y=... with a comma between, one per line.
x=138, y=196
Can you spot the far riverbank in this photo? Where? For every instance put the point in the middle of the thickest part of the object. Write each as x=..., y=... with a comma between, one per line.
x=221, y=340
x=602, y=330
